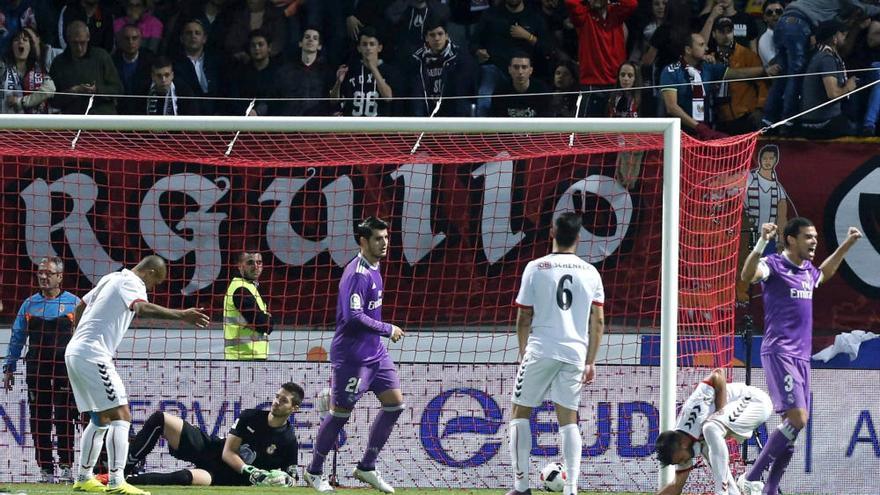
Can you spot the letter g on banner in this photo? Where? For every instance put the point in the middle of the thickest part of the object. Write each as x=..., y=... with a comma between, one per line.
x=432, y=436
x=856, y=202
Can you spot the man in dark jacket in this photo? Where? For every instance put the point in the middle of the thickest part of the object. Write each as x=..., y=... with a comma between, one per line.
x=86, y=70
x=444, y=71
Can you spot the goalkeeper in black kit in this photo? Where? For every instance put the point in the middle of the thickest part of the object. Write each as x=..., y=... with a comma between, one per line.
x=260, y=449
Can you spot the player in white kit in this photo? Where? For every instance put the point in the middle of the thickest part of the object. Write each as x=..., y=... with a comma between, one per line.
x=101, y=321
x=559, y=325
x=714, y=411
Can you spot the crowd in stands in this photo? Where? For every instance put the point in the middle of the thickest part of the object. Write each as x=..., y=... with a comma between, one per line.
x=710, y=64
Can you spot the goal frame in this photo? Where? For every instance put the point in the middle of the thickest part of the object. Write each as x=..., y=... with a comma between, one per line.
x=670, y=128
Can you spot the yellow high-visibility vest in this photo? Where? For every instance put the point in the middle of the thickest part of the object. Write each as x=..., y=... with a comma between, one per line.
x=241, y=342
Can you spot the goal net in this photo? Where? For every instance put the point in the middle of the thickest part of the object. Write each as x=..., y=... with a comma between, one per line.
x=468, y=206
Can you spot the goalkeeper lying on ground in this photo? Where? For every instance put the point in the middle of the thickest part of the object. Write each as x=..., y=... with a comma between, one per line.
x=260, y=449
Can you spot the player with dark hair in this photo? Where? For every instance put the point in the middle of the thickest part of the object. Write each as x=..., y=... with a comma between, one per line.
x=716, y=410
x=788, y=280
x=366, y=86
x=247, y=322
x=559, y=326
x=261, y=448
x=101, y=321
x=45, y=322
x=360, y=360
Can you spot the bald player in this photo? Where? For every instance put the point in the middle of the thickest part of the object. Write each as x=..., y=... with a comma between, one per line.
x=101, y=321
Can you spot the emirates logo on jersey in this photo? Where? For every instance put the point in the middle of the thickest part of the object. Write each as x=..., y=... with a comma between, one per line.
x=545, y=265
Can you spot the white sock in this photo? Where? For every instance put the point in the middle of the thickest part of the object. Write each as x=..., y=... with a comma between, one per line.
x=117, y=450
x=520, y=445
x=570, y=438
x=719, y=457
x=90, y=449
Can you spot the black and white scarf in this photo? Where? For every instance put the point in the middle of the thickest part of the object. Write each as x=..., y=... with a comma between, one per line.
x=169, y=101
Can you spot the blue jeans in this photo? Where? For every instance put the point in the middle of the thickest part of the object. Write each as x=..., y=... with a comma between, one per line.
x=792, y=38
x=490, y=78
x=873, y=110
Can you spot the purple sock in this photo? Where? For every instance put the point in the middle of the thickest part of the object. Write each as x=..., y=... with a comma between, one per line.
x=328, y=435
x=379, y=433
x=777, y=470
x=780, y=440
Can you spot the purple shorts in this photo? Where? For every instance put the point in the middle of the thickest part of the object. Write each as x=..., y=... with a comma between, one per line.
x=351, y=381
x=788, y=381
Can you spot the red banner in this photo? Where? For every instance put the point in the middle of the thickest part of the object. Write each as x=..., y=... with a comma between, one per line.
x=837, y=185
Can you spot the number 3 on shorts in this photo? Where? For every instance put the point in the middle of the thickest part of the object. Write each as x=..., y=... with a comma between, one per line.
x=354, y=384
x=789, y=383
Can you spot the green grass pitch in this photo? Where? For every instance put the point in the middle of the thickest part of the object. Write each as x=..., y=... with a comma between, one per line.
x=36, y=488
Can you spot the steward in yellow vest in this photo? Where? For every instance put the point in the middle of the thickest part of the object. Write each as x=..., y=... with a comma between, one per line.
x=246, y=319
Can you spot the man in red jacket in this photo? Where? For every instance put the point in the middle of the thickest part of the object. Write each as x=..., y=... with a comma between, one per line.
x=602, y=46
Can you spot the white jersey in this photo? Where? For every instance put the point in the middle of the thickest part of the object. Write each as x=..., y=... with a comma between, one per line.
x=701, y=404
x=561, y=289
x=107, y=315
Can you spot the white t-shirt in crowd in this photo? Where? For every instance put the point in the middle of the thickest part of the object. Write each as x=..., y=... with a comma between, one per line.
x=108, y=313
x=561, y=289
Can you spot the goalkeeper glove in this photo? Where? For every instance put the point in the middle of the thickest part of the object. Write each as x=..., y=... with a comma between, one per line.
x=255, y=474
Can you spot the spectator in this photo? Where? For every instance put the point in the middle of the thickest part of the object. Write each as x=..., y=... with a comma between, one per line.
x=211, y=13
x=738, y=104
x=563, y=103
x=685, y=93
x=642, y=46
x=85, y=70
x=133, y=66
x=307, y=78
x=766, y=49
x=745, y=30
x=829, y=121
x=328, y=18
x=246, y=319
x=563, y=43
x=26, y=82
x=197, y=67
x=166, y=97
x=869, y=125
x=256, y=14
x=258, y=79
x=16, y=15
x=791, y=37
x=45, y=323
x=98, y=15
x=504, y=30
x=136, y=13
x=602, y=47
x=531, y=98
x=407, y=19
x=46, y=53
x=366, y=86
x=663, y=49
x=444, y=71
x=625, y=103
x=465, y=14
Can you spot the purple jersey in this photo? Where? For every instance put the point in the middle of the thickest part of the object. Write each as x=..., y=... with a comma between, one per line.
x=359, y=327
x=788, y=306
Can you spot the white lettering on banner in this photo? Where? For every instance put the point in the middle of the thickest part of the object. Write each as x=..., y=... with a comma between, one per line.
x=592, y=247
x=290, y=247
x=93, y=260
x=497, y=238
x=863, y=257
x=204, y=226
x=418, y=237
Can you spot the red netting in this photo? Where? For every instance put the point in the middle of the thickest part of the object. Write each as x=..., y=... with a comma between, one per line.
x=467, y=212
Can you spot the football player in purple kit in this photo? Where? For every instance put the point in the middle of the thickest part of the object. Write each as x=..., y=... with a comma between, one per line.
x=788, y=280
x=360, y=361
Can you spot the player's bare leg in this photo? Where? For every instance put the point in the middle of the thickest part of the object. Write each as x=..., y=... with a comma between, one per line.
x=519, y=436
x=392, y=407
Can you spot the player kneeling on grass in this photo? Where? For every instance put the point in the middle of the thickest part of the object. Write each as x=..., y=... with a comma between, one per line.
x=260, y=449
x=715, y=411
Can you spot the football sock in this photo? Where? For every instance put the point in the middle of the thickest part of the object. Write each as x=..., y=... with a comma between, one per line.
x=719, y=457
x=520, y=444
x=777, y=469
x=117, y=450
x=328, y=435
x=570, y=438
x=379, y=433
x=92, y=443
x=776, y=445
x=182, y=477
x=145, y=440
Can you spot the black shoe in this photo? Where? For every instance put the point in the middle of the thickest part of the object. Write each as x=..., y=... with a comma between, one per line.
x=515, y=492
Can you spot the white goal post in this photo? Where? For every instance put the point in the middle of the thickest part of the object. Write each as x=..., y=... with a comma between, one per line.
x=669, y=128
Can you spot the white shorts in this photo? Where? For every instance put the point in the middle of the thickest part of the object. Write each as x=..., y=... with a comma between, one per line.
x=96, y=384
x=744, y=415
x=541, y=378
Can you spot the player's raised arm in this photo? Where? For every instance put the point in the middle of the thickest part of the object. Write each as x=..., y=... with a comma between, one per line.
x=832, y=263
x=752, y=270
x=193, y=316
x=718, y=382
